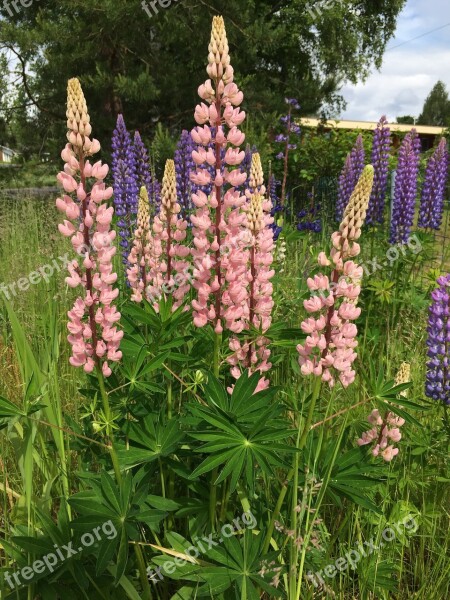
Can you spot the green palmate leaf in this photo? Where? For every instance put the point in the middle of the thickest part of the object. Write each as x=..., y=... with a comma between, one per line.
x=212, y=462
x=160, y=439
x=36, y=546
x=122, y=556
x=236, y=433
x=154, y=364
x=244, y=389
x=165, y=504
x=405, y=415
x=350, y=477
x=8, y=409
x=216, y=393
x=105, y=554
x=89, y=503
x=126, y=490
x=135, y=313
x=216, y=419
x=110, y=492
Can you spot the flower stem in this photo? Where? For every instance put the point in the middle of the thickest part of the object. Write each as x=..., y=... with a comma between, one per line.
x=301, y=441
x=146, y=590
x=107, y=411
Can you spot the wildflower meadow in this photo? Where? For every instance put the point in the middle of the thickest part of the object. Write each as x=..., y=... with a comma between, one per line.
x=225, y=352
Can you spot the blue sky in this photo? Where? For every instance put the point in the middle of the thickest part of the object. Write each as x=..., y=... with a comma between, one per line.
x=408, y=72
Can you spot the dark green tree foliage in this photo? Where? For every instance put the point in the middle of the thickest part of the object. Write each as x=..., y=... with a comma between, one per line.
x=436, y=110
x=406, y=120
x=150, y=67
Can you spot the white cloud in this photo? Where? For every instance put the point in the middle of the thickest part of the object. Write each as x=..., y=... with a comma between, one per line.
x=409, y=71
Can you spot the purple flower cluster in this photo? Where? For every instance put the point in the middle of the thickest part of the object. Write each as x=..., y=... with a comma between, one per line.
x=277, y=208
x=144, y=173
x=354, y=165
x=184, y=166
x=290, y=128
x=434, y=188
x=406, y=182
x=246, y=166
x=380, y=162
x=437, y=384
x=126, y=190
x=310, y=217
x=285, y=138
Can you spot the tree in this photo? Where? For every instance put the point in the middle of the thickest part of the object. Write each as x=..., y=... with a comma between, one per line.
x=436, y=110
x=406, y=120
x=150, y=65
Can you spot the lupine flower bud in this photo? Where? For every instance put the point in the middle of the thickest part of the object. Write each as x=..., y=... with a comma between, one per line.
x=139, y=258
x=78, y=121
x=218, y=57
x=256, y=180
x=354, y=165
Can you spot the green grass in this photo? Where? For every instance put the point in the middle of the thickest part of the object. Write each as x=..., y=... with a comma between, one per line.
x=417, y=482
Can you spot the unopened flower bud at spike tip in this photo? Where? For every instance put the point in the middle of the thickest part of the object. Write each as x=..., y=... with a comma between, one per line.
x=78, y=120
x=169, y=185
x=218, y=57
x=144, y=206
x=256, y=173
x=356, y=210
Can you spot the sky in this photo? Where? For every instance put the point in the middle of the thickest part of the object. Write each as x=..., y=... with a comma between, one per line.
x=410, y=71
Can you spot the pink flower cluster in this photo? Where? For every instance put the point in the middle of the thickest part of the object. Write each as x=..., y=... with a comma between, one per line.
x=329, y=349
x=139, y=257
x=220, y=276
x=383, y=431
x=158, y=259
x=94, y=336
x=255, y=355
x=168, y=264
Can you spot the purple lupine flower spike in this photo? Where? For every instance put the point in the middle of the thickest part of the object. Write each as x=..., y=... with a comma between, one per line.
x=144, y=176
x=309, y=217
x=126, y=189
x=433, y=192
x=184, y=166
x=277, y=209
x=246, y=166
x=437, y=384
x=353, y=168
x=380, y=161
x=406, y=182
